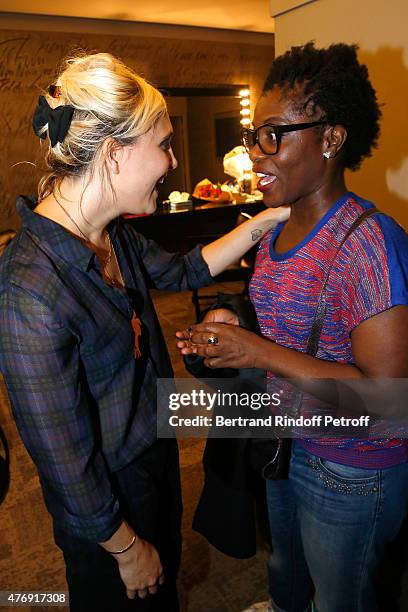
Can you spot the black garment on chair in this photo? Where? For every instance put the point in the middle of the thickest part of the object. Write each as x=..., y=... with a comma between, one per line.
x=226, y=511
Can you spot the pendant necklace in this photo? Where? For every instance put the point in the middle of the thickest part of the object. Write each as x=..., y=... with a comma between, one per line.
x=104, y=261
x=135, y=321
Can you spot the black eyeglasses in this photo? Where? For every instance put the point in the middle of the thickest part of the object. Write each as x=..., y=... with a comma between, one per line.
x=268, y=137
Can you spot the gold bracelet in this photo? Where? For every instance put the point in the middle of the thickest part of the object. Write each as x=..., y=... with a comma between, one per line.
x=119, y=552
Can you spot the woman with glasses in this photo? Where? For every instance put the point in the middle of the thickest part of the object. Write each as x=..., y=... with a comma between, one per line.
x=80, y=345
x=345, y=497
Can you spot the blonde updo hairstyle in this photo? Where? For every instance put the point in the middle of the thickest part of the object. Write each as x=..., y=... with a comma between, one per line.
x=109, y=101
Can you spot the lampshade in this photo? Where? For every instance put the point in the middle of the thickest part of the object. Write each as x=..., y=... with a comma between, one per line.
x=237, y=163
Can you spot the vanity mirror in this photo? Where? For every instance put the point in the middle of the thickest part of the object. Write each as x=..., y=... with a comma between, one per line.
x=206, y=123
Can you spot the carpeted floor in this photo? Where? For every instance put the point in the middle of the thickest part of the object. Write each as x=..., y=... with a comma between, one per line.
x=29, y=560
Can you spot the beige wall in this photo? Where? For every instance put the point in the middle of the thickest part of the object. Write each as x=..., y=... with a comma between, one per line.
x=380, y=29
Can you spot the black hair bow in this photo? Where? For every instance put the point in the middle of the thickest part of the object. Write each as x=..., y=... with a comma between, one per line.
x=58, y=119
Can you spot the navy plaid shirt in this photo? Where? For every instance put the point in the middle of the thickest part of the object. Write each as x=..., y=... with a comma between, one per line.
x=84, y=406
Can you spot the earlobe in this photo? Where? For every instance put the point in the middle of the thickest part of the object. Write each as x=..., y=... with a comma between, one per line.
x=334, y=141
x=112, y=153
x=114, y=166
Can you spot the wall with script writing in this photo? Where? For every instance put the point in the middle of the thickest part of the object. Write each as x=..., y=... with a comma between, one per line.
x=29, y=59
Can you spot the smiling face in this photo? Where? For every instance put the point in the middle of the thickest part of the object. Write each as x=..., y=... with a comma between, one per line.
x=298, y=170
x=141, y=167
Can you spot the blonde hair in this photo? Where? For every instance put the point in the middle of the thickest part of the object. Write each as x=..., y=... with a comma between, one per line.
x=109, y=101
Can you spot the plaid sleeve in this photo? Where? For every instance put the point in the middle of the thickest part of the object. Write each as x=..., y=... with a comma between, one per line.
x=171, y=271
x=55, y=416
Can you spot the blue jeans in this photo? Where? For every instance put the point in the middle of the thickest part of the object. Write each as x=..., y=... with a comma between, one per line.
x=330, y=524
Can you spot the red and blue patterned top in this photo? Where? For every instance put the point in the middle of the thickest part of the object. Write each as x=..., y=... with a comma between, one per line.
x=369, y=276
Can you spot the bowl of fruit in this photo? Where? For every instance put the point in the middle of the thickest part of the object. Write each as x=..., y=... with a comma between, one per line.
x=207, y=191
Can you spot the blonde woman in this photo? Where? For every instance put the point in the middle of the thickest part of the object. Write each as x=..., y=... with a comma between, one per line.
x=81, y=348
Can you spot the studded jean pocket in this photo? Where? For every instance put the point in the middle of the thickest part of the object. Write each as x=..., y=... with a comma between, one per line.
x=345, y=479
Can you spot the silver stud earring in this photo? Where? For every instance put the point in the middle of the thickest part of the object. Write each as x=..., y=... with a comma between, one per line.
x=326, y=154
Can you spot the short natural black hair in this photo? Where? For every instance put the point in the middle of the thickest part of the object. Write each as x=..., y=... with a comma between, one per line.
x=334, y=81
